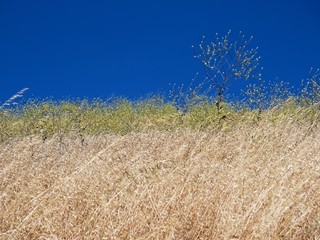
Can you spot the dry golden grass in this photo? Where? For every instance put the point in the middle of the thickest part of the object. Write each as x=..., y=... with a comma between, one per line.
x=250, y=181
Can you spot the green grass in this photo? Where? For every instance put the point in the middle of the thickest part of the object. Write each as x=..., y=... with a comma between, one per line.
x=121, y=116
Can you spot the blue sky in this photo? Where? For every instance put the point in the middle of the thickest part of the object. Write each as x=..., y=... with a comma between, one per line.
x=71, y=49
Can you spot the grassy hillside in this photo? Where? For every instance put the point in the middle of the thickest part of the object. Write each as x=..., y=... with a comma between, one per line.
x=147, y=171
x=193, y=166
x=47, y=118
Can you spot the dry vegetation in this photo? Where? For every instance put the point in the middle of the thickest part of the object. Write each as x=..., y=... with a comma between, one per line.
x=194, y=166
x=246, y=180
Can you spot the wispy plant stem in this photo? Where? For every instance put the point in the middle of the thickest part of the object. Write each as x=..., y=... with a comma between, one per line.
x=11, y=101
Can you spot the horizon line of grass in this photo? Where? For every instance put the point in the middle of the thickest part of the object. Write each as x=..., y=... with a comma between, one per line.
x=122, y=116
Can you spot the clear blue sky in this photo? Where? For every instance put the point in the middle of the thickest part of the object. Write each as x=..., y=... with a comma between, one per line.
x=65, y=48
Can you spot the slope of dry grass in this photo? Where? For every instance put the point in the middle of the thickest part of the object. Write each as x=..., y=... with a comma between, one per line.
x=249, y=181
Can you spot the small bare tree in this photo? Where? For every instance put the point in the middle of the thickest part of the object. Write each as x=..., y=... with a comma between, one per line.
x=224, y=60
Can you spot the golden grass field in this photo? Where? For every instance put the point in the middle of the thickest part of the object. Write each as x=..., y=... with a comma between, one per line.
x=248, y=181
